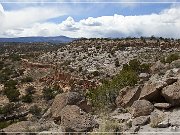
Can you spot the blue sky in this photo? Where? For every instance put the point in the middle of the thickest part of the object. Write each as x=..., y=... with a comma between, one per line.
x=76, y=19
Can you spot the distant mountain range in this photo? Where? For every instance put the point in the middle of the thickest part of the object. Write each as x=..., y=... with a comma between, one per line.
x=58, y=39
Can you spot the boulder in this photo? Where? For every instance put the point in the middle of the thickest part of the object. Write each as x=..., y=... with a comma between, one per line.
x=157, y=67
x=70, y=98
x=127, y=96
x=171, y=93
x=162, y=105
x=152, y=89
x=141, y=108
x=75, y=120
x=174, y=117
x=18, y=127
x=141, y=121
x=159, y=119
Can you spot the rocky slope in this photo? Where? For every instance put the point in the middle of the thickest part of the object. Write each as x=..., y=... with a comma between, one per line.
x=95, y=85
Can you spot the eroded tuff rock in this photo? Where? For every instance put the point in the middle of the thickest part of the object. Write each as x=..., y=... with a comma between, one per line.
x=76, y=120
x=162, y=105
x=70, y=98
x=171, y=93
x=141, y=108
x=140, y=121
x=127, y=96
x=152, y=89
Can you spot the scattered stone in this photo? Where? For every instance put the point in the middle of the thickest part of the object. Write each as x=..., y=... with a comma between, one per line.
x=162, y=105
x=141, y=108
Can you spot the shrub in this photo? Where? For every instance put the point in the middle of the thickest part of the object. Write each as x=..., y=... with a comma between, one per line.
x=1, y=65
x=50, y=92
x=10, y=84
x=104, y=96
x=96, y=73
x=30, y=90
x=15, y=57
x=35, y=110
x=27, y=98
x=3, y=78
x=12, y=94
x=8, y=108
x=27, y=79
x=117, y=63
x=172, y=58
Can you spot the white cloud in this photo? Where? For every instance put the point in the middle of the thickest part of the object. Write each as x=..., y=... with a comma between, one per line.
x=165, y=24
x=68, y=25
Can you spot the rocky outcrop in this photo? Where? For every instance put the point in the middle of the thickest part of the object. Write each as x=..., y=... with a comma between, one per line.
x=73, y=119
x=141, y=108
x=152, y=89
x=127, y=96
x=70, y=98
x=171, y=93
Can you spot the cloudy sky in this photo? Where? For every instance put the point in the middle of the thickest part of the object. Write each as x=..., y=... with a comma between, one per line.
x=90, y=18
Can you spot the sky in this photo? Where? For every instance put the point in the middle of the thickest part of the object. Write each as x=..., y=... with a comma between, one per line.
x=90, y=18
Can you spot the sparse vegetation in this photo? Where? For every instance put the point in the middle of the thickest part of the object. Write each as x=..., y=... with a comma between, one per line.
x=27, y=79
x=104, y=96
x=50, y=92
x=35, y=110
x=172, y=58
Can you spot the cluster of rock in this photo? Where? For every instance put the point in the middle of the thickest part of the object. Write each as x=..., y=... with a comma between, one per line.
x=69, y=113
x=156, y=102
x=94, y=60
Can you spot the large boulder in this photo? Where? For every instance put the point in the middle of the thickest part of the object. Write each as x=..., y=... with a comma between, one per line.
x=73, y=119
x=141, y=108
x=70, y=98
x=171, y=93
x=152, y=89
x=127, y=96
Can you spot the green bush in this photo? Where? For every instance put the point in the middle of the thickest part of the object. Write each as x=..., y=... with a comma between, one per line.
x=35, y=110
x=10, y=84
x=172, y=58
x=15, y=57
x=30, y=90
x=27, y=79
x=50, y=92
x=8, y=108
x=117, y=63
x=1, y=65
x=27, y=98
x=105, y=95
x=12, y=94
x=3, y=78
